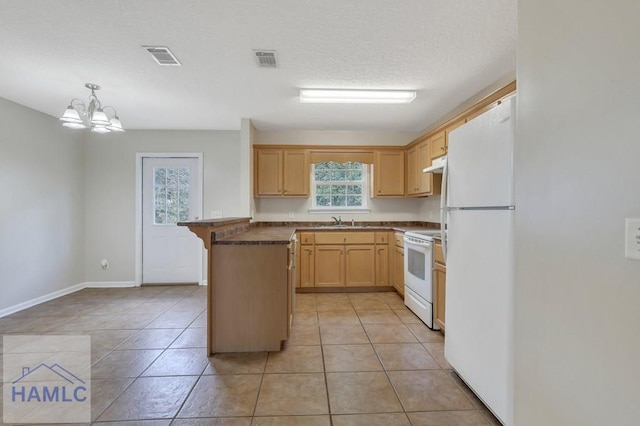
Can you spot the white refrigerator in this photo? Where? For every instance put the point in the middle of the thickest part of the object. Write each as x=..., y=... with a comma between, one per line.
x=480, y=210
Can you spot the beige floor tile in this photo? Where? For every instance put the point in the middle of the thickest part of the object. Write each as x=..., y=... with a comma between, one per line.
x=296, y=359
x=200, y=321
x=323, y=297
x=448, y=418
x=406, y=316
x=428, y=390
x=389, y=333
x=220, y=421
x=104, y=392
x=223, y=396
x=468, y=392
x=385, y=419
x=179, y=362
x=351, y=393
x=350, y=358
x=306, y=303
x=151, y=339
x=424, y=334
x=367, y=302
x=392, y=299
x=305, y=318
x=237, y=363
x=405, y=356
x=173, y=320
x=437, y=352
x=343, y=334
x=334, y=305
x=384, y=316
x=292, y=394
x=120, y=364
x=191, y=338
x=107, y=340
x=292, y=421
x=150, y=398
x=304, y=335
x=343, y=317
x=130, y=321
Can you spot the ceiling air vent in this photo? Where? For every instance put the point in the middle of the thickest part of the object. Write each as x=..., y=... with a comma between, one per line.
x=266, y=58
x=163, y=55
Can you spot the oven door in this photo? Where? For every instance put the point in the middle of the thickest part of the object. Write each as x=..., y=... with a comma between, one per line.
x=417, y=267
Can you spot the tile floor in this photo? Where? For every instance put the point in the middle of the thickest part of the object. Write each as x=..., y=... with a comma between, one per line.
x=352, y=359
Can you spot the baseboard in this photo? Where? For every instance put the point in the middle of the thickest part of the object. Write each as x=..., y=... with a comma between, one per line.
x=29, y=303
x=204, y=282
x=109, y=284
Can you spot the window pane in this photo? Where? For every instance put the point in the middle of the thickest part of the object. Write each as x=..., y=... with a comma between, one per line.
x=323, y=189
x=183, y=176
x=322, y=175
x=160, y=175
x=322, y=166
x=354, y=189
x=338, y=175
x=338, y=200
x=339, y=189
x=172, y=177
x=172, y=215
x=354, y=200
x=354, y=175
x=159, y=215
x=323, y=200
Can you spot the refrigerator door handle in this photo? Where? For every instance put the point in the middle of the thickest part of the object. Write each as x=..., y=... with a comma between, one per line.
x=443, y=208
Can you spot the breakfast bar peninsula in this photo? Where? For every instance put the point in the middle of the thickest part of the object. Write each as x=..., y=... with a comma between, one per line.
x=251, y=287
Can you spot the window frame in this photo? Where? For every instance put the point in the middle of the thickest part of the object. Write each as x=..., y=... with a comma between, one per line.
x=364, y=208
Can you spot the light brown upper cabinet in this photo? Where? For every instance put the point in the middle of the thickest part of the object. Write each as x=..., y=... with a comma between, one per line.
x=420, y=184
x=388, y=173
x=281, y=173
x=438, y=144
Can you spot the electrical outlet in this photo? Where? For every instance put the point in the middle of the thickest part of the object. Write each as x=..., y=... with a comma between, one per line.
x=216, y=214
x=632, y=239
x=104, y=263
x=291, y=215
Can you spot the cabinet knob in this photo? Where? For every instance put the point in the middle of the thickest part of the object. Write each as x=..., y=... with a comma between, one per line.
x=345, y=239
x=442, y=148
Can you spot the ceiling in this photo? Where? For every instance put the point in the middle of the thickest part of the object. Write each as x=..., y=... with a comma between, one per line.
x=446, y=50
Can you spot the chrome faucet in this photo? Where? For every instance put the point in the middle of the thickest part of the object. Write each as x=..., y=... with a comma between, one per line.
x=338, y=221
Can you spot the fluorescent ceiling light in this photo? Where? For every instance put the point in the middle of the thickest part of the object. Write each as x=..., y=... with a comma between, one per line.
x=339, y=96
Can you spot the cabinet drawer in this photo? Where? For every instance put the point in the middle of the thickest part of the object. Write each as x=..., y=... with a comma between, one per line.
x=382, y=237
x=399, y=237
x=437, y=254
x=306, y=238
x=344, y=238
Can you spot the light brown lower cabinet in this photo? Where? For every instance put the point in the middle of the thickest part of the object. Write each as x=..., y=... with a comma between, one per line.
x=306, y=266
x=329, y=265
x=382, y=265
x=440, y=287
x=359, y=271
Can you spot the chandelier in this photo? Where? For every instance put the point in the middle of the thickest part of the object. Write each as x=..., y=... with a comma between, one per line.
x=80, y=116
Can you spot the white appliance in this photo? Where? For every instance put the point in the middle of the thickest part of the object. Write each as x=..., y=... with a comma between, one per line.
x=418, y=283
x=478, y=202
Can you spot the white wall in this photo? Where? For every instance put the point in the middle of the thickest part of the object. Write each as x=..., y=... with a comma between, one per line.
x=393, y=209
x=577, y=179
x=42, y=207
x=110, y=189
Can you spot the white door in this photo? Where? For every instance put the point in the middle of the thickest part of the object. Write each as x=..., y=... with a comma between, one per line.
x=480, y=159
x=170, y=194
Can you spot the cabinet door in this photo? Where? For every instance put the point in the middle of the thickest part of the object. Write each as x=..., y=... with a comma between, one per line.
x=360, y=260
x=413, y=185
x=296, y=172
x=329, y=265
x=268, y=172
x=439, y=297
x=306, y=266
x=438, y=144
x=423, y=159
x=398, y=270
x=388, y=173
x=382, y=265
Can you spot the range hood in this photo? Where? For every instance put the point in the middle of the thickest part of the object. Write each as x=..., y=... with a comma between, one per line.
x=437, y=165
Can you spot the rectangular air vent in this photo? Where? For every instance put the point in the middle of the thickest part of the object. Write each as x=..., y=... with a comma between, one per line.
x=163, y=55
x=266, y=58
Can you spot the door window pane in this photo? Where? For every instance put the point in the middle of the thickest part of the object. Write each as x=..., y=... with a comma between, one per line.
x=170, y=195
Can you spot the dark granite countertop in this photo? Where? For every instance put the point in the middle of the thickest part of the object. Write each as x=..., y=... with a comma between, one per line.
x=260, y=235
x=215, y=222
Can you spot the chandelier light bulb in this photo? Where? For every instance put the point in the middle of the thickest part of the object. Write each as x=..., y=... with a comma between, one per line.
x=79, y=116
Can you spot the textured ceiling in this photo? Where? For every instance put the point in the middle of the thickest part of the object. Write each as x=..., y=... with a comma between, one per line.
x=446, y=50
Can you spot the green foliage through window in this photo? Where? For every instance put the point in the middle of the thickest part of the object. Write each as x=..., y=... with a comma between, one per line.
x=339, y=185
